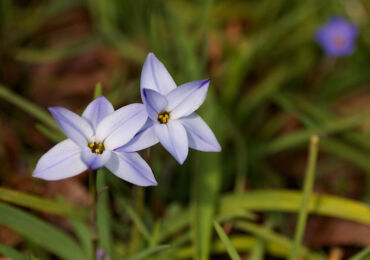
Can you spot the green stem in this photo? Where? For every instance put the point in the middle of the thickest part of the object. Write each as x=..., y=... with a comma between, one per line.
x=307, y=190
x=93, y=196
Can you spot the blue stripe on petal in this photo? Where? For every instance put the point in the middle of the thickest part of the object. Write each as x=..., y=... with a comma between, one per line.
x=187, y=98
x=121, y=126
x=155, y=103
x=97, y=110
x=173, y=137
x=155, y=76
x=60, y=162
x=143, y=139
x=132, y=168
x=75, y=127
x=200, y=136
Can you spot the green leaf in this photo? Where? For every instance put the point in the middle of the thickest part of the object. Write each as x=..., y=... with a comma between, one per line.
x=98, y=90
x=148, y=252
x=273, y=237
x=362, y=255
x=228, y=245
x=275, y=200
x=68, y=50
x=27, y=107
x=41, y=204
x=136, y=219
x=289, y=201
x=12, y=253
x=243, y=244
x=306, y=195
x=206, y=182
x=55, y=136
x=40, y=233
x=258, y=250
x=302, y=136
x=83, y=234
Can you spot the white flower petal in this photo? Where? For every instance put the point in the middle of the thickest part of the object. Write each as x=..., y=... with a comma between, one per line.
x=121, y=126
x=143, y=139
x=155, y=103
x=200, y=136
x=60, y=162
x=95, y=161
x=132, y=168
x=73, y=126
x=155, y=76
x=185, y=99
x=97, y=110
x=173, y=137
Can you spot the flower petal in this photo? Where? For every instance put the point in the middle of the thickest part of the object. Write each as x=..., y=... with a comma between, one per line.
x=143, y=139
x=121, y=126
x=155, y=103
x=185, y=99
x=60, y=162
x=173, y=137
x=132, y=168
x=95, y=161
x=77, y=128
x=97, y=110
x=200, y=136
x=155, y=76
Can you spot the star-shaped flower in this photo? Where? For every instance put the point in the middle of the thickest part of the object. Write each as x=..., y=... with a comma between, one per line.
x=172, y=120
x=337, y=37
x=92, y=142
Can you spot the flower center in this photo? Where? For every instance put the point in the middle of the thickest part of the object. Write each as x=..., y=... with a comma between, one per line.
x=163, y=117
x=339, y=41
x=97, y=148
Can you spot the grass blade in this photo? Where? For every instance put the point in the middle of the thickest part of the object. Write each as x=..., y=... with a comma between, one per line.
x=272, y=237
x=134, y=216
x=12, y=253
x=229, y=246
x=289, y=201
x=258, y=250
x=148, y=252
x=307, y=190
x=41, y=204
x=84, y=236
x=40, y=233
x=206, y=187
x=362, y=255
x=27, y=107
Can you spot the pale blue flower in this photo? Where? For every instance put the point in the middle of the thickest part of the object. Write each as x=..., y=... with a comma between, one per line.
x=92, y=142
x=172, y=120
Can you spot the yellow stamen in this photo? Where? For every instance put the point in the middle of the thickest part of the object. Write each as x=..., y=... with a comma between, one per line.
x=97, y=148
x=163, y=117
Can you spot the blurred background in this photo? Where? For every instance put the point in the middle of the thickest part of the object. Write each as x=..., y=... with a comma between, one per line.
x=272, y=87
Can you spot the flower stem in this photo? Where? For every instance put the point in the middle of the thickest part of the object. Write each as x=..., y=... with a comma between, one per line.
x=93, y=196
x=307, y=190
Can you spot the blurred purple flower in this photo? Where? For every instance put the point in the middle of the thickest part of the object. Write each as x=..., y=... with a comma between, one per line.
x=337, y=37
x=172, y=120
x=101, y=255
x=92, y=142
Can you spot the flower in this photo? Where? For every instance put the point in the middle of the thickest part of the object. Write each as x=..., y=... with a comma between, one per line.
x=172, y=120
x=101, y=255
x=92, y=142
x=337, y=37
